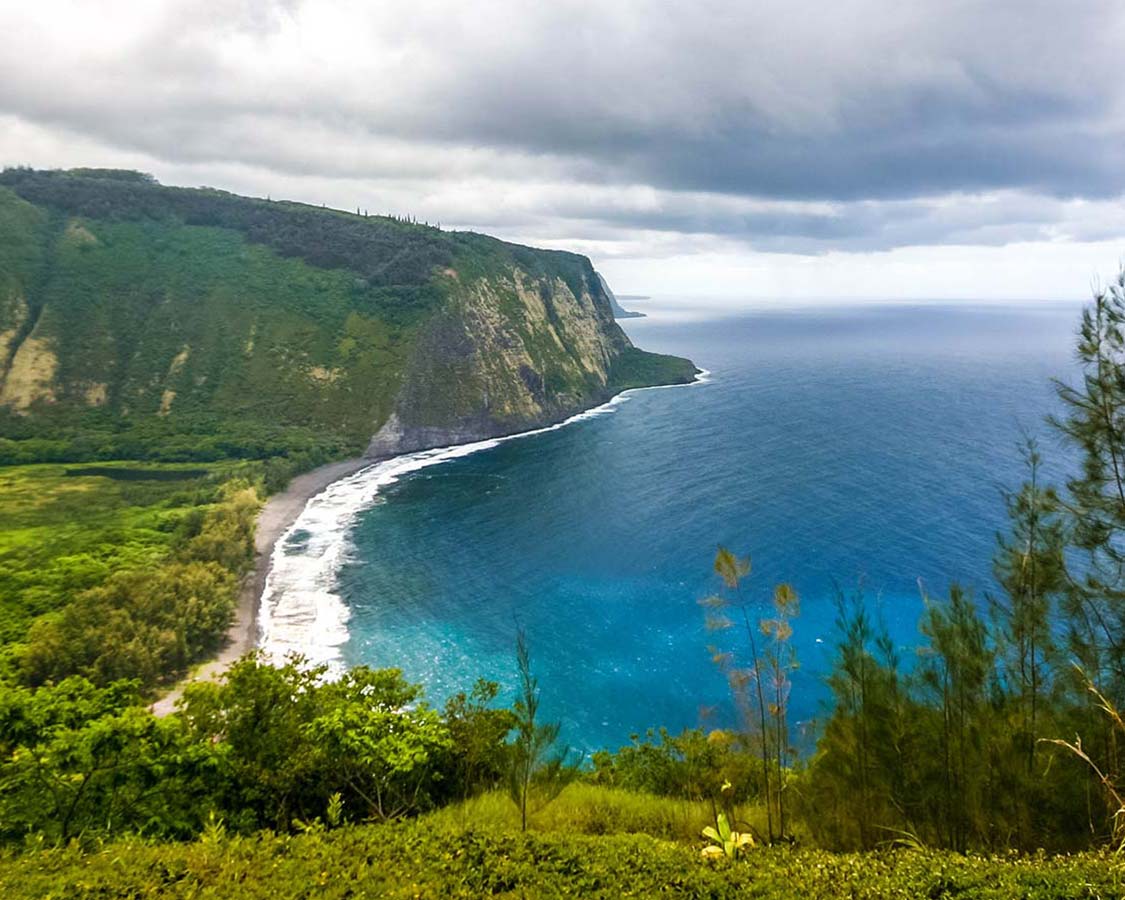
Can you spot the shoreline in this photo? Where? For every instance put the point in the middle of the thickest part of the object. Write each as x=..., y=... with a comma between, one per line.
x=281, y=511
x=276, y=516
x=304, y=613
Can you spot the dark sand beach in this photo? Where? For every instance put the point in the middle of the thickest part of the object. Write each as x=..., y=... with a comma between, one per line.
x=278, y=513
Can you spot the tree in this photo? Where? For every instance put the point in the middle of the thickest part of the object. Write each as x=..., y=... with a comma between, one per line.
x=377, y=743
x=478, y=733
x=289, y=739
x=78, y=759
x=862, y=783
x=1031, y=568
x=956, y=667
x=781, y=659
x=1094, y=423
x=538, y=772
x=756, y=712
x=267, y=771
x=1094, y=604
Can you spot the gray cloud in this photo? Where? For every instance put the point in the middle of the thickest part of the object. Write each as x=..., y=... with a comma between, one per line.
x=791, y=127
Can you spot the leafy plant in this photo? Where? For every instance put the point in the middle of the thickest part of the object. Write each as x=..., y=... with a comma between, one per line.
x=774, y=660
x=726, y=842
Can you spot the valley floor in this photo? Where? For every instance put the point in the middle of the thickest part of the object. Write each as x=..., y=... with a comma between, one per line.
x=277, y=514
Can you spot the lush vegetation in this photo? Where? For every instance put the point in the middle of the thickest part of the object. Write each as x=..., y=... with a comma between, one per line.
x=949, y=771
x=121, y=571
x=64, y=533
x=270, y=747
x=638, y=368
x=274, y=774
x=139, y=321
x=418, y=859
x=162, y=331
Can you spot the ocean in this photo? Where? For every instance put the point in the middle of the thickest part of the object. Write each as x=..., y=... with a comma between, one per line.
x=844, y=449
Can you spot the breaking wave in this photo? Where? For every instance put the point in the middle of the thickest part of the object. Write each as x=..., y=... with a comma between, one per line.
x=301, y=611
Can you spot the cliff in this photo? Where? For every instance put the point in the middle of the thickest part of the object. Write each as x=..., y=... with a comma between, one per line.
x=619, y=312
x=194, y=317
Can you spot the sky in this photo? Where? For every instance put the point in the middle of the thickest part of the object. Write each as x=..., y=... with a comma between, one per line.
x=734, y=150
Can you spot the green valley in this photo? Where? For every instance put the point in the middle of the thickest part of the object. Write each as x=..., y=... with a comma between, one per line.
x=171, y=359
x=67, y=528
x=206, y=348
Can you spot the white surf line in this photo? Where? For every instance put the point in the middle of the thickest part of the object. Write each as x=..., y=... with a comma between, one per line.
x=300, y=610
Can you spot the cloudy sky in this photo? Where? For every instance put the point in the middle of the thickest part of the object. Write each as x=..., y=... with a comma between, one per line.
x=753, y=149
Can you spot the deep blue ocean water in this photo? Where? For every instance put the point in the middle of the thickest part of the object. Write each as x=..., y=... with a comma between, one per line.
x=858, y=446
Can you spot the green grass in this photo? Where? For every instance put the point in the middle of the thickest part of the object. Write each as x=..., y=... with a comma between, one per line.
x=424, y=859
x=63, y=534
x=593, y=810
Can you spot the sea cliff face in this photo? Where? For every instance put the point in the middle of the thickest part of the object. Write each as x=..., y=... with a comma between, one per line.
x=508, y=353
x=125, y=304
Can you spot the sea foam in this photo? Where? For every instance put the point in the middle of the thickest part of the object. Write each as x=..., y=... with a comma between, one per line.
x=301, y=611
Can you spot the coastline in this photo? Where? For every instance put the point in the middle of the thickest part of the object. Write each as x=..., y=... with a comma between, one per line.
x=301, y=611
x=281, y=511
x=278, y=513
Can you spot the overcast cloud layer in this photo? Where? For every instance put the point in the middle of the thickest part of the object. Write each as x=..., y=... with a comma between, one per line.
x=763, y=147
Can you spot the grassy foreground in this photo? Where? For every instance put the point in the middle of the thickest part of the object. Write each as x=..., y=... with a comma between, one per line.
x=421, y=859
x=595, y=810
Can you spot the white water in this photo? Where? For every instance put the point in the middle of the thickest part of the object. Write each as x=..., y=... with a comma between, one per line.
x=300, y=611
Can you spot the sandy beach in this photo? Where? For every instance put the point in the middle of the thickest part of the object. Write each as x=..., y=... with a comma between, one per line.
x=279, y=512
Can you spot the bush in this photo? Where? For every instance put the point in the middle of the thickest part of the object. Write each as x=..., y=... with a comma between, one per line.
x=290, y=741
x=412, y=860
x=693, y=765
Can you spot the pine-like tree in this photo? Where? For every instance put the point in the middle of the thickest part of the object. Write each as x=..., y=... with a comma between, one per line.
x=1094, y=423
x=538, y=770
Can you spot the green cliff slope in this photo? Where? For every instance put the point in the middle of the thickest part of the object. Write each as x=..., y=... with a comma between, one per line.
x=143, y=320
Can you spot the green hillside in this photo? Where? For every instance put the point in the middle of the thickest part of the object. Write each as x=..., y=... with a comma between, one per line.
x=138, y=320
x=248, y=340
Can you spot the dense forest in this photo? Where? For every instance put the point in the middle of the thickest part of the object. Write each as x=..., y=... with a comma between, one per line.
x=999, y=734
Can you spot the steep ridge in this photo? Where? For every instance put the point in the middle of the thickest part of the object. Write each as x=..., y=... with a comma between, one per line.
x=619, y=312
x=182, y=323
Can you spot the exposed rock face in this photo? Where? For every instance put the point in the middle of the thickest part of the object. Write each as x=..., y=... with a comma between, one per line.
x=507, y=355
x=30, y=377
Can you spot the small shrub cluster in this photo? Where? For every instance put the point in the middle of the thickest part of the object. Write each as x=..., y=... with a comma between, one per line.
x=270, y=747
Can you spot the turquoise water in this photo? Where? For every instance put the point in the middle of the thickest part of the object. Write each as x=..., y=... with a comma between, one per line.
x=851, y=446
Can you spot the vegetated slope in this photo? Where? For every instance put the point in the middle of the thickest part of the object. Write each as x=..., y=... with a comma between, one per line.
x=414, y=860
x=143, y=320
